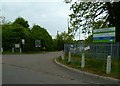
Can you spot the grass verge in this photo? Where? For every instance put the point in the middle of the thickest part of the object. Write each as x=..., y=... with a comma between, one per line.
x=92, y=65
x=11, y=53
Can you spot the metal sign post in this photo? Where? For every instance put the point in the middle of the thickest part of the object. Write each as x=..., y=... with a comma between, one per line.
x=37, y=43
x=23, y=43
x=111, y=48
x=105, y=35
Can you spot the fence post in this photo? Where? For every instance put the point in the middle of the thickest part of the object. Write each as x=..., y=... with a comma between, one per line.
x=108, y=66
x=20, y=50
x=69, y=58
x=12, y=50
x=1, y=49
x=83, y=61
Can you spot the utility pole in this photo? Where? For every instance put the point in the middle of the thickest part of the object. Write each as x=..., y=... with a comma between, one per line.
x=79, y=33
x=68, y=24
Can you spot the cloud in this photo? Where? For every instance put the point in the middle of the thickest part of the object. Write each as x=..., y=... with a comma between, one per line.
x=31, y=0
x=51, y=15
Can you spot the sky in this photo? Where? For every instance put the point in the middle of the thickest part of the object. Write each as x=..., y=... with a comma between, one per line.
x=50, y=14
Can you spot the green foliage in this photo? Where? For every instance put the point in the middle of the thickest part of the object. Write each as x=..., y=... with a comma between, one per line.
x=39, y=33
x=95, y=15
x=85, y=15
x=21, y=21
x=13, y=33
x=63, y=38
x=89, y=40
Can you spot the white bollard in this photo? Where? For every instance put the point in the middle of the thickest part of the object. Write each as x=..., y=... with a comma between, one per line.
x=83, y=61
x=20, y=50
x=62, y=55
x=1, y=49
x=108, y=66
x=69, y=58
x=12, y=50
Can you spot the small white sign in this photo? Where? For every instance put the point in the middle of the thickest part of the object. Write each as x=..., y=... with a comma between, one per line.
x=87, y=48
x=23, y=41
x=17, y=45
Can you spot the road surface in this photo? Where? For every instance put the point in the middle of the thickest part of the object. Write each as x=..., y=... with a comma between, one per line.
x=41, y=69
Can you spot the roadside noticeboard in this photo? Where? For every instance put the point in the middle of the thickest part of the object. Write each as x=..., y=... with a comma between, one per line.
x=37, y=43
x=104, y=35
x=17, y=45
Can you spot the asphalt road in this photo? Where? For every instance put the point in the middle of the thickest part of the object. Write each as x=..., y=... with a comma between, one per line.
x=41, y=69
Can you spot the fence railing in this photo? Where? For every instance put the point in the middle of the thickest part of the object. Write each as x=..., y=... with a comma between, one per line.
x=98, y=56
x=96, y=50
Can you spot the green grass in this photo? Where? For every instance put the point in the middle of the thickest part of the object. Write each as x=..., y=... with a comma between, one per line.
x=34, y=52
x=93, y=65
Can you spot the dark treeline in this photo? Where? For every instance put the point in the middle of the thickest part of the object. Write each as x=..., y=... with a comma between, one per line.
x=13, y=33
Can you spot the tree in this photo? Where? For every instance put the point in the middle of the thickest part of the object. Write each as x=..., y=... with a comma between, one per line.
x=11, y=34
x=114, y=17
x=63, y=38
x=21, y=21
x=95, y=15
x=39, y=33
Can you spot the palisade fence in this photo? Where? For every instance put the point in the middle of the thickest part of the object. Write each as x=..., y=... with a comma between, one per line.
x=94, y=50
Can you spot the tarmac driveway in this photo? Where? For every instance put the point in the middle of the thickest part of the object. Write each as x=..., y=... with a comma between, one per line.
x=41, y=69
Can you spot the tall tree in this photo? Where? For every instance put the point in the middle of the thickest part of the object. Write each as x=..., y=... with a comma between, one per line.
x=22, y=22
x=11, y=34
x=63, y=38
x=114, y=17
x=87, y=15
x=39, y=33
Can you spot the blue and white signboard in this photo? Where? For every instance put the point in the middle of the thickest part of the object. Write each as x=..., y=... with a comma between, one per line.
x=104, y=35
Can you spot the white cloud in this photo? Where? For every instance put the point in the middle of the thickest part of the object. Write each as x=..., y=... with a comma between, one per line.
x=32, y=0
x=51, y=15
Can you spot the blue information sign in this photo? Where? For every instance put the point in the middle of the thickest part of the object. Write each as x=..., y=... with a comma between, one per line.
x=104, y=35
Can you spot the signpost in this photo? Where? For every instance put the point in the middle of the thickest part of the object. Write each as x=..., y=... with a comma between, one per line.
x=105, y=35
x=37, y=43
x=17, y=45
x=23, y=43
